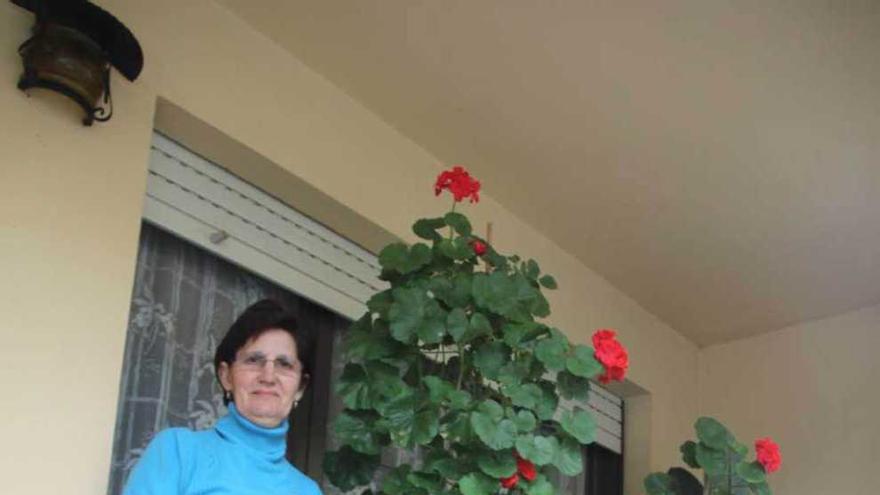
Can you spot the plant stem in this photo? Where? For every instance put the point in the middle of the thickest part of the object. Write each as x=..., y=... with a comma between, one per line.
x=460, y=365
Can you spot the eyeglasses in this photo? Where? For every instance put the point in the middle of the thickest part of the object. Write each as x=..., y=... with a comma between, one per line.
x=282, y=365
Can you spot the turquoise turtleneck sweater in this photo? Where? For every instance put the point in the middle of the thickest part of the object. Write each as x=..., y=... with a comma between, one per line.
x=236, y=457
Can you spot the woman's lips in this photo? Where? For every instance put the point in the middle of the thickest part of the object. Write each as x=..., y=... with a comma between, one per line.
x=265, y=392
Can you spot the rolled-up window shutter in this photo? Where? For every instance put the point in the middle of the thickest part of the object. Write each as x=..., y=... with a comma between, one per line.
x=214, y=209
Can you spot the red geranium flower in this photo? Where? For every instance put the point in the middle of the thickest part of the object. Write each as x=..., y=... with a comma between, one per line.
x=460, y=184
x=510, y=481
x=479, y=248
x=526, y=468
x=768, y=454
x=611, y=354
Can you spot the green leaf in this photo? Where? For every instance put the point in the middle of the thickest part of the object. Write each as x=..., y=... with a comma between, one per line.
x=394, y=256
x=546, y=407
x=527, y=395
x=395, y=482
x=659, y=484
x=413, y=314
x=490, y=357
x=457, y=324
x=380, y=302
x=514, y=332
x=407, y=426
x=525, y=421
x=496, y=292
x=552, y=351
x=459, y=399
x=426, y=228
x=499, y=464
x=685, y=482
x=348, y=469
x=477, y=484
x=712, y=433
x=582, y=363
x=579, y=424
x=752, y=472
x=711, y=460
x=447, y=467
x=458, y=222
x=362, y=386
x=429, y=482
x=531, y=269
x=548, y=282
x=479, y=326
x=366, y=342
x=438, y=389
x=569, y=458
x=539, y=449
x=356, y=432
x=573, y=387
x=514, y=372
x=495, y=434
x=397, y=257
x=689, y=454
x=541, y=486
x=760, y=488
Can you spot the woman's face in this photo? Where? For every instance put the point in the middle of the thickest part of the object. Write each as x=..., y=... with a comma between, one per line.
x=266, y=378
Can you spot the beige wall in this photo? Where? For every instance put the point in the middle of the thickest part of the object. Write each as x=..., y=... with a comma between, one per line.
x=812, y=387
x=70, y=205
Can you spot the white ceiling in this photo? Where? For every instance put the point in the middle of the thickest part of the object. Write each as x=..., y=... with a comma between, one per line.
x=717, y=161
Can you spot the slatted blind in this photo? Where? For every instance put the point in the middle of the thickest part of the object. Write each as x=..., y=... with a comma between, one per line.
x=214, y=209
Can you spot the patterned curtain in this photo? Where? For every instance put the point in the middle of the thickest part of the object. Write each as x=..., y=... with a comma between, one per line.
x=183, y=302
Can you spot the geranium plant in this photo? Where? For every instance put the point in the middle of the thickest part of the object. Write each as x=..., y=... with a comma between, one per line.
x=725, y=465
x=454, y=361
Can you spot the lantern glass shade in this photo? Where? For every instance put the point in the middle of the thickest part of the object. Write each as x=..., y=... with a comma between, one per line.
x=65, y=60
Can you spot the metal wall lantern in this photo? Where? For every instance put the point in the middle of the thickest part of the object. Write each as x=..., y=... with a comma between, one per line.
x=73, y=46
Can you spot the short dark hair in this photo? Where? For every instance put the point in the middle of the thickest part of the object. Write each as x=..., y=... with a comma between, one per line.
x=257, y=319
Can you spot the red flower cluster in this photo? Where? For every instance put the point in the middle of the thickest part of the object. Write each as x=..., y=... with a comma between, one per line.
x=460, y=184
x=611, y=354
x=768, y=454
x=524, y=468
x=479, y=248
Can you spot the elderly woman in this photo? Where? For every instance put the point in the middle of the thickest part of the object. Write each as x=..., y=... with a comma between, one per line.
x=260, y=365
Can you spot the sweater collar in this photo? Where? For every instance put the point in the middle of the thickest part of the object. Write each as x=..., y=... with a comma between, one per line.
x=268, y=442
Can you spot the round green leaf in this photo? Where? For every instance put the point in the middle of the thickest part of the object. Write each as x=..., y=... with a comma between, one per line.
x=753, y=472
x=573, y=387
x=477, y=484
x=579, y=424
x=539, y=449
x=551, y=352
x=356, y=432
x=495, y=434
x=548, y=282
x=426, y=228
x=540, y=486
x=457, y=323
x=348, y=469
x=712, y=433
x=490, y=357
x=545, y=409
x=689, y=454
x=711, y=460
x=458, y=222
x=569, y=458
x=527, y=395
x=582, y=363
x=500, y=464
x=525, y=421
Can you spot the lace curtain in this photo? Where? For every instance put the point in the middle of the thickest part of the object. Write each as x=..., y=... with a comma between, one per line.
x=183, y=302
